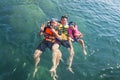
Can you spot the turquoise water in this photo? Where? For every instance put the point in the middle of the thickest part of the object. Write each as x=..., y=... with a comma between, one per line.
x=98, y=20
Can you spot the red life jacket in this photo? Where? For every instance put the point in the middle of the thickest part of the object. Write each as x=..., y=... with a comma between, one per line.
x=49, y=35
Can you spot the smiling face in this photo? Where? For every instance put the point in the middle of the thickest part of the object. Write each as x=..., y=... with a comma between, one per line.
x=63, y=21
x=54, y=23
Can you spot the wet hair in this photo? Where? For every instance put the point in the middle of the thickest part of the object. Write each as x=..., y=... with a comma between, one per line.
x=64, y=16
x=72, y=23
x=53, y=19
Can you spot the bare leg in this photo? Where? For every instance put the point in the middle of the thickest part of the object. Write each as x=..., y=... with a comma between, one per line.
x=70, y=42
x=56, y=57
x=59, y=56
x=71, y=51
x=83, y=46
x=37, y=60
x=71, y=55
x=54, y=74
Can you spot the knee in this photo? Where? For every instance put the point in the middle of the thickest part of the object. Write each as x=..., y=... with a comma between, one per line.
x=37, y=53
x=81, y=41
x=59, y=55
x=72, y=53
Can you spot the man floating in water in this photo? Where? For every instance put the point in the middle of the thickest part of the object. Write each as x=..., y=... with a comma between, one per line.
x=50, y=34
x=63, y=30
x=70, y=32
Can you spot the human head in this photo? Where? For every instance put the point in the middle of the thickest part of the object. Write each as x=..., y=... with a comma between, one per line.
x=54, y=22
x=64, y=19
x=71, y=24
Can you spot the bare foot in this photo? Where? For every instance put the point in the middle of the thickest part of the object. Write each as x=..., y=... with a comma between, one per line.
x=84, y=51
x=70, y=69
x=34, y=73
x=53, y=73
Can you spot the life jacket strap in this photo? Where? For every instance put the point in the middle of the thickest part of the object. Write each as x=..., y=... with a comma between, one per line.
x=50, y=40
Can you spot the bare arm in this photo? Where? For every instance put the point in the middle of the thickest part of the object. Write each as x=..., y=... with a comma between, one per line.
x=57, y=35
x=42, y=29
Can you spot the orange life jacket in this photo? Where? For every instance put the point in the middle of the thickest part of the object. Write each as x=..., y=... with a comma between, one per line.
x=49, y=35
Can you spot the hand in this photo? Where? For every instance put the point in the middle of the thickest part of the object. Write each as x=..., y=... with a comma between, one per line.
x=72, y=39
x=42, y=27
x=81, y=35
x=53, y=30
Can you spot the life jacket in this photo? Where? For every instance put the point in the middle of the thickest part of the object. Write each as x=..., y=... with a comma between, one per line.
x=49, y=35
x=63, y=31
x=72, y=32
x=76, y=31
